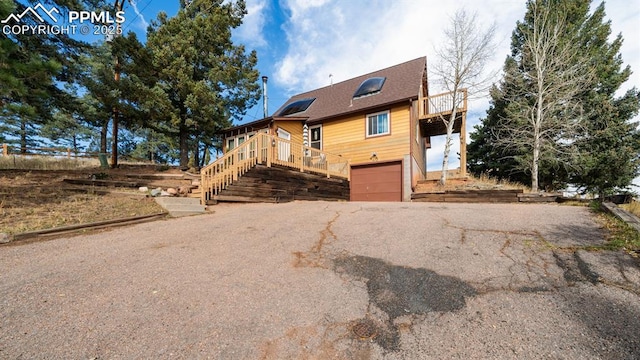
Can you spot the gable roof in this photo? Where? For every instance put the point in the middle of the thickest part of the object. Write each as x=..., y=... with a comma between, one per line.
x=402, y=84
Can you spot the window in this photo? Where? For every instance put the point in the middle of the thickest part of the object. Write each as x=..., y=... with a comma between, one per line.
x=241, y=153
x=316, y=137
x=378, y=124
x=296, y=107
x=230, y=144
x=369, y=87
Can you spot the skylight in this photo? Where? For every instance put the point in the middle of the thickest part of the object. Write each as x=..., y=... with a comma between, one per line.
x=369, y=86
x=296, y=106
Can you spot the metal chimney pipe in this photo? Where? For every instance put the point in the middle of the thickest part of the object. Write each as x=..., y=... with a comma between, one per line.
x=265, y=98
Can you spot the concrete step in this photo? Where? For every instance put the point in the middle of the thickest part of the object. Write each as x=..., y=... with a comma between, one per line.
x=181, y=206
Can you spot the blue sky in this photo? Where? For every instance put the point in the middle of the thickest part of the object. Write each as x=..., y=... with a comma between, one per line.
x=306, y=44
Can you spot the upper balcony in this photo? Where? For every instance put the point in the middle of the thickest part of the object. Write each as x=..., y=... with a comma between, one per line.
x=432, y=109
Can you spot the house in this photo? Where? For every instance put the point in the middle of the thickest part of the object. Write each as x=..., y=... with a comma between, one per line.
x=373, y=130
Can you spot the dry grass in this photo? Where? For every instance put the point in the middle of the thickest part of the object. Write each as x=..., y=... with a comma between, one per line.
x=72, y=210
x=633, y=207
x=40, y=199
x=621, y=236
x=35, y=162
x=471, y=183
x=504, y=184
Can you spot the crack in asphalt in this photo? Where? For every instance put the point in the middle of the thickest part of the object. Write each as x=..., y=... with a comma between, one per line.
x=574, y=268
x=401, y=290
x=396, y=291
x=315, y=257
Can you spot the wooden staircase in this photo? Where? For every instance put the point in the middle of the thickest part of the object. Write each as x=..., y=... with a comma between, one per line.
x=281, y=184
x=266, y=168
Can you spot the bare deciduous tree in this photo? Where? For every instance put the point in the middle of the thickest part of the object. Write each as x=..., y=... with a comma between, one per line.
x=544, y=113
x=460, y=64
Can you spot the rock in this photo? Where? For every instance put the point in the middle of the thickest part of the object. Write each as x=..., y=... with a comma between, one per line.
x=184, y=189
x=4, y=238
x=156, y=192
x=195, y=182
x=164, y=193
x=172, y=191
x=143, y=189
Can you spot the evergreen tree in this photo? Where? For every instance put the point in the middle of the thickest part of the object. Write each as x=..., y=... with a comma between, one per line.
x=610, y=143
x=587, y=154
x=204, y=79
x=100, y=91
x=35, y=71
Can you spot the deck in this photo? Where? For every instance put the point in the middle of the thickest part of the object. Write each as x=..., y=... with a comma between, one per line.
x=433, y=111
x=433, y=108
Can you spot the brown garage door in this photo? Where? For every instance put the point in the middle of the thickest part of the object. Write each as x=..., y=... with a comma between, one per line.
x=377, y=182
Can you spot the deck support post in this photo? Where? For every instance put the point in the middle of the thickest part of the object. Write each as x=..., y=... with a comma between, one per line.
x=463, y=145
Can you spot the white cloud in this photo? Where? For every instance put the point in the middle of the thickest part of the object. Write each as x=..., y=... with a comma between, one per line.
x=251, y=32
x=351, y=38
x=625, y=19
x=347, y=39
x=143, y=24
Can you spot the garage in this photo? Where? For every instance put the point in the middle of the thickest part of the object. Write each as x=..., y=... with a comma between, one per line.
x=377, y=182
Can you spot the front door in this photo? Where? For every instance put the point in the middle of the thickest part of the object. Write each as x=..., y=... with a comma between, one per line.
x=284, y=148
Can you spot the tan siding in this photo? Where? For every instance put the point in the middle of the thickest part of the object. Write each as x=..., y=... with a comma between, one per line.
x=292, y=127
x=346, y=137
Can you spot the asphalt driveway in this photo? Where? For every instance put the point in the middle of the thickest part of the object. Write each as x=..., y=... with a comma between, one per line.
x=317, y=280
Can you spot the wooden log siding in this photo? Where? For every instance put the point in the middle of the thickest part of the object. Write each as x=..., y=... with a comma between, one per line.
x=347, y=136
x=268, y=150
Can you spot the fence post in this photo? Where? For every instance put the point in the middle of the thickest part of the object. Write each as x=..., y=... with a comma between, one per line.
x=258, y=149
x=302, y=158
x=68, y=153
x=5, y=150
x=270, y=146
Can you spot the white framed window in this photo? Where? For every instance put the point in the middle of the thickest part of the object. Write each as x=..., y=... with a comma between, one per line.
x=378, y=124
x=231, y=143
x=241, y=153
x=315, y=137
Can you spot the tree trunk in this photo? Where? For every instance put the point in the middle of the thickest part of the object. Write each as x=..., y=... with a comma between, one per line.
x=23, y=136
x=534, y=165
x=103, y=137
x=184, y=148
x=196, y=153
x=114, y=139
x=206, y=156
x=447, y=144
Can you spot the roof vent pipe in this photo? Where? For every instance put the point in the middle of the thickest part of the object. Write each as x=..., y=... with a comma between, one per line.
x=265, y=98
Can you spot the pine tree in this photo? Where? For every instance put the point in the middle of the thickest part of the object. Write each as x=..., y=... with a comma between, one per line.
x=36, y=70
x=204, y=79
x=610, y=144
x=585, y=150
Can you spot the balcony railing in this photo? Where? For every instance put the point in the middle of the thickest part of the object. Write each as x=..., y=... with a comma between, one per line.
x=442, y=104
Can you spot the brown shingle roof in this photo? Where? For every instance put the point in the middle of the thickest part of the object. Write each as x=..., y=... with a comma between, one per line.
x=402, y=84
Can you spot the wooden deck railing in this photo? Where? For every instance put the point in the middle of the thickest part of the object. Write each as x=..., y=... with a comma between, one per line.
x=268, y=150
x=441, y=104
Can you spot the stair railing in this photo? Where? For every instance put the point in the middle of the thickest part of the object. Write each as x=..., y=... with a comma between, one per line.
x=268, y=150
